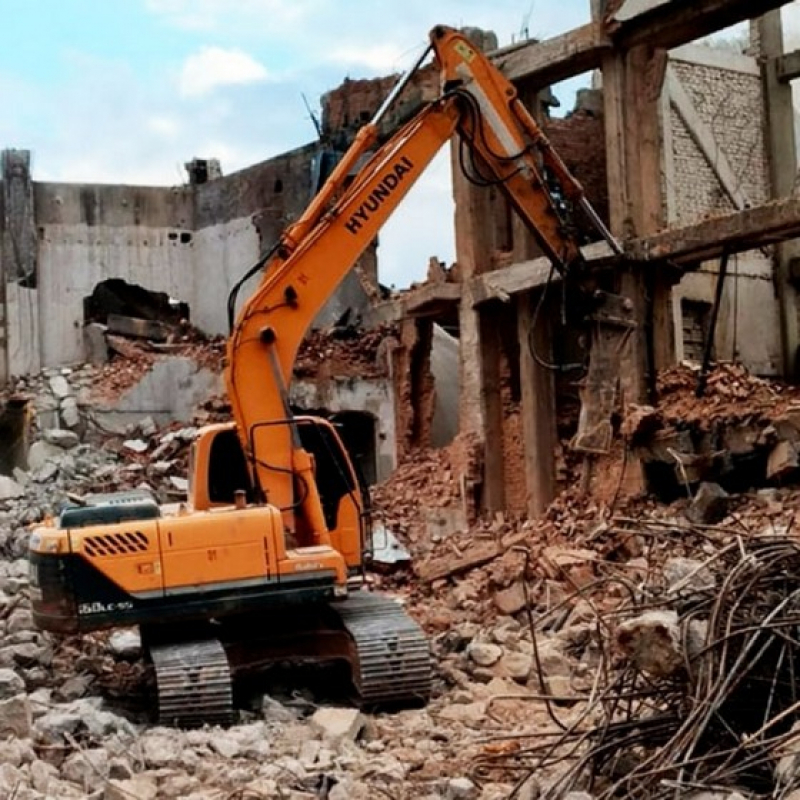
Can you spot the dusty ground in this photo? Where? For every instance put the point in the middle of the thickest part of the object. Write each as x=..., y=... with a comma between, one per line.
x=523, y=618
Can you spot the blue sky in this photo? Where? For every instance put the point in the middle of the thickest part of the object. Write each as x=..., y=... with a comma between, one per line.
x=128, y=90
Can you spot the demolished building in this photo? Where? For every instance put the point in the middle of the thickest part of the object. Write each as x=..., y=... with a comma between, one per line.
x=584, y=642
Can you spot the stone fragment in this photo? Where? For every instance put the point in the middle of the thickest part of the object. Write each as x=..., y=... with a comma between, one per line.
x=140, y=787
x=42, y=774
x=88, y=768
x=135, y=445
x=147, y=427
x=21, y=619
x=126, y=644
x=9, y=488
x=15, y=717
x=41, y=453
x=653, y=642
x=161, y=749
x=226, y=746
x=687, y=575
x=59, y=437
x=578, y=565
x=11, y=684
x=178, y=483
x=461, y=789
x=464, y=712
x=552, y=661
x=338, y=724
x=74, y=687
x=273, y=711
x=709, y=505
x=782, y=461
x=484, y=654
x=69, y=413
x=517, y=666
x=59, y=386
x=510, y=601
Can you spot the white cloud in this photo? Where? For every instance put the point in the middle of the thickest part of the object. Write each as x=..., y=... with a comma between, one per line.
x=383, y=58
x=165, y=126
x=213, y=67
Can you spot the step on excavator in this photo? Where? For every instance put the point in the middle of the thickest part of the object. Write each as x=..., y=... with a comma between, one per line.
x=261, y=564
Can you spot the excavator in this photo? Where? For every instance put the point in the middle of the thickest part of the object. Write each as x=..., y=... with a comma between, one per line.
x=261, y=564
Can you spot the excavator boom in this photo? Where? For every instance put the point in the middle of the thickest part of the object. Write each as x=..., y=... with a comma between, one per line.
x=508, y=150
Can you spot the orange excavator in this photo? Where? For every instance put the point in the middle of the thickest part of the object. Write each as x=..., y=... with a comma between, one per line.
x=261, y=563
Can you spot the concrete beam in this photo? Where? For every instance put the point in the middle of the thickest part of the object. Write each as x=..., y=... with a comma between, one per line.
x=671, y=23
x=553, y=60
x=788, y=66
x=687, y=247
x=659, y=23
x=735, y=233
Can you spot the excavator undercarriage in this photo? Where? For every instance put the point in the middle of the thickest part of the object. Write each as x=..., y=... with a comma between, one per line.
x=386, y=651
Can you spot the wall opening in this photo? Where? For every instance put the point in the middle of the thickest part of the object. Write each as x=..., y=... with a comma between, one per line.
x=15, y=420
x=695, y=316
x=118, y=297
x=358, y=432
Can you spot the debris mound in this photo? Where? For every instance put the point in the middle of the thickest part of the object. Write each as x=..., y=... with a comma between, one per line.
x=695, y=683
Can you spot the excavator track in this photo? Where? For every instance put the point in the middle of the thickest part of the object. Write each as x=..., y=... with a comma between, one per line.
x=394, y=660
x=388, y=654
x=194, y=683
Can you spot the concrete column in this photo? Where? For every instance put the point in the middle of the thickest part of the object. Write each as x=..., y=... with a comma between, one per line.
x=18, y=256
x=19, y=310
x=779, y=117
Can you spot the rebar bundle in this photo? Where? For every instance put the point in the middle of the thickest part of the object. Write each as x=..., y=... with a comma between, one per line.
x=723, y=720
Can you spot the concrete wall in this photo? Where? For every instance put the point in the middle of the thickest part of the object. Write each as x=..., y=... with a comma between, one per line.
x=192, y=242
x=714, y=162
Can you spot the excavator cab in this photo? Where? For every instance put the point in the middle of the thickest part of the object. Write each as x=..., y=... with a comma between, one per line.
x=221, y=477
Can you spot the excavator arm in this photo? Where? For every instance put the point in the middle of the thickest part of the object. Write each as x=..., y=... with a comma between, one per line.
x=507, y=148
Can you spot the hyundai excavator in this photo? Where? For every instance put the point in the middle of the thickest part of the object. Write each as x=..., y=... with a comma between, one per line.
x=261, y=563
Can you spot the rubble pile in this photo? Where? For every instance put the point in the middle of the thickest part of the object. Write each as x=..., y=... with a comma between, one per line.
x=640, y=652
x=742, y=432
x=693, y=690
x=346, y=351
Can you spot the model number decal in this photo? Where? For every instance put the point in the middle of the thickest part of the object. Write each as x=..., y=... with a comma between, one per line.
x=100, y=608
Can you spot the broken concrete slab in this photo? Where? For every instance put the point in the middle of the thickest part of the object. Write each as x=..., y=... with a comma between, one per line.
x=139, y=328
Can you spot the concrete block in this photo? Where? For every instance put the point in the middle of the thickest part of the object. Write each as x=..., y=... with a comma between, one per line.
x=95, y=346
x=653, y=642
x=338, y=724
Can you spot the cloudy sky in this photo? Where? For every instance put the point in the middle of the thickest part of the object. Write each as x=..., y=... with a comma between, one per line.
x=128, y=90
